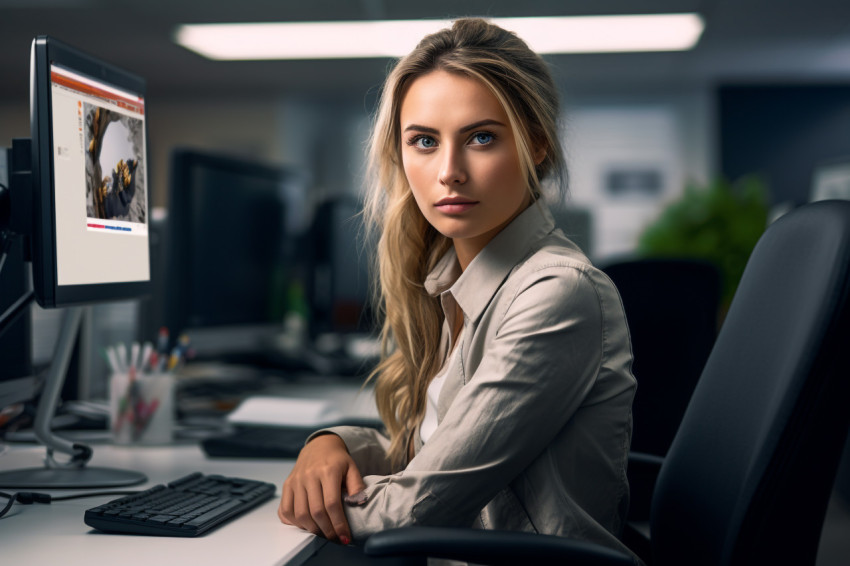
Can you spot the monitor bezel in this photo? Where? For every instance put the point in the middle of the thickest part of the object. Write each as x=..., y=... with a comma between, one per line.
x=49, y=294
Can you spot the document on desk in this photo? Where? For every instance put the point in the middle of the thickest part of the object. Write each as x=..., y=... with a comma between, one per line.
x=284, y=411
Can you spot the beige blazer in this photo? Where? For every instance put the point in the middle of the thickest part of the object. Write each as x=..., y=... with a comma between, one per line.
x=535, y=415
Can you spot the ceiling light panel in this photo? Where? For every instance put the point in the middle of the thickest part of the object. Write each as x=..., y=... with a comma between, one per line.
x=395, y=38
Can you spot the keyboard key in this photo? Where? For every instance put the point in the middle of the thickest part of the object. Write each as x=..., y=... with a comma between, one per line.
x=213, y=513
x=177, y=509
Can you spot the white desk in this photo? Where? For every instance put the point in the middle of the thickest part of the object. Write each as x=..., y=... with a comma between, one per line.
x=56, y=534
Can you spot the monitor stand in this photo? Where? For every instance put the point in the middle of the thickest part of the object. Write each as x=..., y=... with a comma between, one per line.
x=74, y=473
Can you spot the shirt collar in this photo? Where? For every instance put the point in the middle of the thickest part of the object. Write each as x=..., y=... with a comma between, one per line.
x=473, y=288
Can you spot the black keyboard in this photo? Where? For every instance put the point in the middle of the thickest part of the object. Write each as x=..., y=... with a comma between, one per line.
x=268, y=441
x=187, y=507
x=258, y=442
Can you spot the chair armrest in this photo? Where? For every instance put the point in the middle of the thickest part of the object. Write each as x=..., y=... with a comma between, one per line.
x=492, y=547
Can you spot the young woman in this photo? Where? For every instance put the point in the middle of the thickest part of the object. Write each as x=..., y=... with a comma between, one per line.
x=505, y=384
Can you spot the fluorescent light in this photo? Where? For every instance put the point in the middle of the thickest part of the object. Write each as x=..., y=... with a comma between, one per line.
x=608, y=34
x=395, y=38
x=309, y=40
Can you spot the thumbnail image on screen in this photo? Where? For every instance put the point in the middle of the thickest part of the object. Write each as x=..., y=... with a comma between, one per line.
x=115, y=184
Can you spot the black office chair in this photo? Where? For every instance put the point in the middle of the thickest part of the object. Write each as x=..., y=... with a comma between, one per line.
x=672, y=307
x=749, y=474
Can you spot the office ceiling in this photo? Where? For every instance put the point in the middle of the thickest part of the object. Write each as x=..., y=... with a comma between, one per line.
x=744, y=40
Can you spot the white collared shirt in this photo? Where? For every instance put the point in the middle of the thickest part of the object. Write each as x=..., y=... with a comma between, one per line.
x=430, y=421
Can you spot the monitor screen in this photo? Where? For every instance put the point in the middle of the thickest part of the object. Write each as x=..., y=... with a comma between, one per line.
x=226, y=272
x=90, y=162
x=340, y=289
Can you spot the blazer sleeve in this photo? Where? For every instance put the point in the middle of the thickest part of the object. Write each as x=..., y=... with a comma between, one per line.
x=535, y=373
x=367, y=446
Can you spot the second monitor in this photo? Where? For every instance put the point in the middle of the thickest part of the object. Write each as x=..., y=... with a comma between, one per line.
x=225, y=261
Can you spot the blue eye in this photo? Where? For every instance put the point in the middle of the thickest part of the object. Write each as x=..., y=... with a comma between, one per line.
x=424, y=142
x=483, y=138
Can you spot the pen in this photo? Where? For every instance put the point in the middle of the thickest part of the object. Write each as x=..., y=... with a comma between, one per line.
x=144, y=417
x=174, y=359
x=112, y=359
x=162, y=349
x=121, y=356
x=147, y=351
x=153, y=362
x=134, y=355
x=162, y=341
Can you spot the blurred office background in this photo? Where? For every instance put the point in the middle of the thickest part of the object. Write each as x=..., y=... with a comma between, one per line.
x=763, y=95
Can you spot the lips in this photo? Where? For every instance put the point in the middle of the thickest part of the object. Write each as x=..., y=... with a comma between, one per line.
x=455, y=205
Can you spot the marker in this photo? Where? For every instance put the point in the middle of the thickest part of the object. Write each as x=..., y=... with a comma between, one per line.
x=162, y=348
x=174, y=359
x=121, y=356
x=162, y=341
x=134, y=355
x=153, y=362
x=147, y=351
x=112, y=359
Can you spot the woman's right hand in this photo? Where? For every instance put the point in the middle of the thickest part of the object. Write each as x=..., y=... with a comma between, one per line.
x=313, y=493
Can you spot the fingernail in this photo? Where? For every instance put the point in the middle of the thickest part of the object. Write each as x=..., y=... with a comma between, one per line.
x=345, y=540
x=358, y=498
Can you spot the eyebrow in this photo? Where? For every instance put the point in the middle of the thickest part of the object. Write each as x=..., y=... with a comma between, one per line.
x=463, y=130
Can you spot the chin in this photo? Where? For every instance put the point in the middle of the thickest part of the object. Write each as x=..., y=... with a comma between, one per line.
x=463, y=234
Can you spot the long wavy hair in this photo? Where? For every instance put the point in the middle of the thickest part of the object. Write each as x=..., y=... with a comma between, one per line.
x=408, y=246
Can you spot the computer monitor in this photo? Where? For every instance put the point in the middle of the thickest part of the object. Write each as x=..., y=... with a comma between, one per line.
x=79, y=197
x=340, y=287
x=90, y=199
x=226, y=274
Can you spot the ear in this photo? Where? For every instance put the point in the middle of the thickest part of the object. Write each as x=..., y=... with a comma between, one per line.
x=539, y=153
x=539, y=149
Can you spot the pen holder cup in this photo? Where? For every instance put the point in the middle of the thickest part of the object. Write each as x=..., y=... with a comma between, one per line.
x=141, y=409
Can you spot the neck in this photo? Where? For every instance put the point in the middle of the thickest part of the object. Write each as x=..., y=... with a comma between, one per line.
x=467, y=248
x=466, y=252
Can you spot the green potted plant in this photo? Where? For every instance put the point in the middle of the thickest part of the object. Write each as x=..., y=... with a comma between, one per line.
x=720, y=223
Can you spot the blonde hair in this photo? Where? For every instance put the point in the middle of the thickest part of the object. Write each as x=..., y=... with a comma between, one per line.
x=409, y=247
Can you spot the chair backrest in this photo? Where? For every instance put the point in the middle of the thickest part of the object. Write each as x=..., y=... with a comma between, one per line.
x=672, y=306
x=749, y=474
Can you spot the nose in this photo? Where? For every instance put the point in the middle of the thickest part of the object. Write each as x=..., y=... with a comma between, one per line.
x=453, y=167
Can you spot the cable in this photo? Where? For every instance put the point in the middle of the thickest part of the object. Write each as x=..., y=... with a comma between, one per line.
x=30, y=497
x=92, y=494
x=8, y=506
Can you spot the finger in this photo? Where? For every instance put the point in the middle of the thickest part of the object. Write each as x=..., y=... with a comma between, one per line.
x=284, y=510
x=353, y=480
x=336, y=514
x=301, y=510
x=316, y=498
